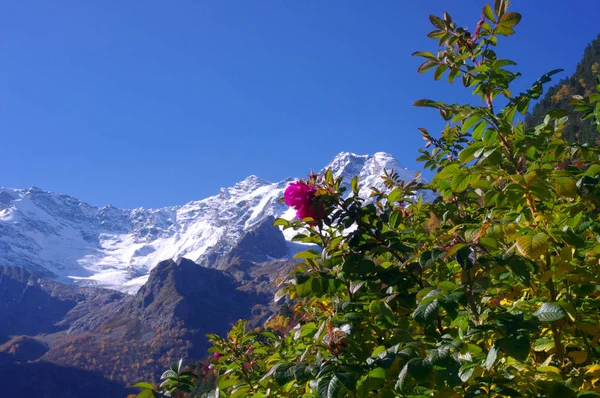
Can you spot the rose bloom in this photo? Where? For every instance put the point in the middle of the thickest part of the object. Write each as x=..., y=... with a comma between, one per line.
x=300, y=196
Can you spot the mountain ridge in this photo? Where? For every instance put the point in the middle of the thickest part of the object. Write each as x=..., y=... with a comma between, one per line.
x=72, y=241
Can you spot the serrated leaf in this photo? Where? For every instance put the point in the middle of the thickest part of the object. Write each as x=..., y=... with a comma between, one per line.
x=426, y=311
x=532, y=246
x=460, y=182
x=329, y=387
x=550, y=312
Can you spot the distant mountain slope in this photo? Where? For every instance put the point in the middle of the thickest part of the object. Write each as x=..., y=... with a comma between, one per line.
x=581, y=83
x=70, y=240
x=84, y=330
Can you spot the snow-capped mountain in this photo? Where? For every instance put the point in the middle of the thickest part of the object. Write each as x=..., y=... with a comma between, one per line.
x=72, y=241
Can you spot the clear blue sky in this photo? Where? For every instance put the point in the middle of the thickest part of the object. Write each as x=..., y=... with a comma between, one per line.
x=154, y=103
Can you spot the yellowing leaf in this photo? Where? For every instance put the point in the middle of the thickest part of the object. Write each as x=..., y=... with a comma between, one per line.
x=539, y=245
x=565, y=187
x=533, y=247
x=578, y=356
x=549, y=369
x=593, y=370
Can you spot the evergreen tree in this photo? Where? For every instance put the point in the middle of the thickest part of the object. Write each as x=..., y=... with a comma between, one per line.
x=583, y=82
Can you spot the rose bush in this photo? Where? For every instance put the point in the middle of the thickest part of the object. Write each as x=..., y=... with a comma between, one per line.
x=492, y=289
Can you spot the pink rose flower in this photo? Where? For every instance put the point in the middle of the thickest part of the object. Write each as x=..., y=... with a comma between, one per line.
x=300, y=196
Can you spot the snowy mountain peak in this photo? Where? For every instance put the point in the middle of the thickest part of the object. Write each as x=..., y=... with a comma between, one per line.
x=250, y=183
x=116, y=248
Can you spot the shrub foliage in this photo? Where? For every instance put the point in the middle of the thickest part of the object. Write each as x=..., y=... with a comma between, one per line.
x=492, y=289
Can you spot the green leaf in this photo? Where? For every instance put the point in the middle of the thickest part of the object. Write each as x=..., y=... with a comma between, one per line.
x=490, y=137
x=395, y=219
x=437, y=22
x=394, y=195
x=146, y=394
x=168, y=373
x=550, y=312
x=426, y=311
x=378, y=373
x=519, y=267
x=307, y=254
x=491, y=357
x=510, y=19
x=467, y=154
x=402, y=378
x=329, y=387
x=543, y=344
x=448, y=171
x=426, y=103
x=354, y=184
x=500, y=6
x=241, y=392
x=419, y=368
x=427, y=55
x=356, y=285
x=439, y=71
x=470, y=122
x=144, y=385
x=460, y=182
x=425, y=66
x=504, y=30
x=565, y=187
x=488, y=13
x=447, y=286
x=452, y=75
x=478, y=130
x=281, y=221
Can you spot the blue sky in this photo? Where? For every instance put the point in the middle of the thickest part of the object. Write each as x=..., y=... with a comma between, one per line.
x=157, y=103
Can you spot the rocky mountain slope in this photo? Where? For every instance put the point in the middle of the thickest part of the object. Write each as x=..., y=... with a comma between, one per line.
x=71, y=241
x=113, y=339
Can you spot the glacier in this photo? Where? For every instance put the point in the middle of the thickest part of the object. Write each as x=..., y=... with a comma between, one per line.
x=74, y=242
